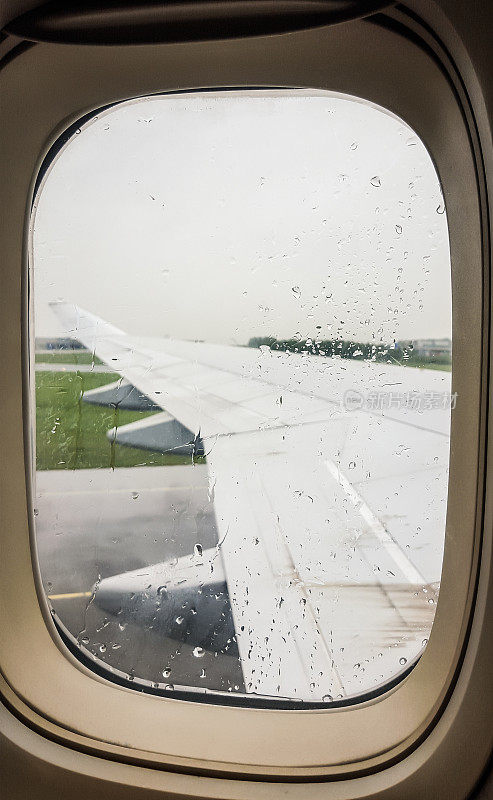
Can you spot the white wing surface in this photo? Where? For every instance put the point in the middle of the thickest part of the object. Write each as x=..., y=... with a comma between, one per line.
x=331, y=514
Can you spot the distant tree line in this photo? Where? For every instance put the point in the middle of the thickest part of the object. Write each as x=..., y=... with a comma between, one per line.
x=359, y=351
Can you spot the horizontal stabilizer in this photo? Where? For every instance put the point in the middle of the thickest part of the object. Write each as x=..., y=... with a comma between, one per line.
x=120, y=394
x=160, y=433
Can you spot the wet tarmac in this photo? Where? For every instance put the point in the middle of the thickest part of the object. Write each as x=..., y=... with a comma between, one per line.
x=93, y=524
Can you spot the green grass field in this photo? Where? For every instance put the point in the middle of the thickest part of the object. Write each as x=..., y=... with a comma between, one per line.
x=62, y=357
x=440, y=367
x=71, y=434
x=416, y=363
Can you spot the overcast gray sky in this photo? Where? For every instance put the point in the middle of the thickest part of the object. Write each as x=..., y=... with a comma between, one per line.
x=222, y=216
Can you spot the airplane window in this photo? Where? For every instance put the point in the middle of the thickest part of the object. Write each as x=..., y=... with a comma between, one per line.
x=242, y=326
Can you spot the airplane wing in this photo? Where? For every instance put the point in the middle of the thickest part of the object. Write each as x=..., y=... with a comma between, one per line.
x=329, y=484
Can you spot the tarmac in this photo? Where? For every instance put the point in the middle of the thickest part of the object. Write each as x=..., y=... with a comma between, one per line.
x=95, y=523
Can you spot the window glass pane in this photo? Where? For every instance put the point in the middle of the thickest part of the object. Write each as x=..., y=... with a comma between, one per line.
x=242, y=323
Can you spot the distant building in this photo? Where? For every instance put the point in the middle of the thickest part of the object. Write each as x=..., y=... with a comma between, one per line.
x=427, y=348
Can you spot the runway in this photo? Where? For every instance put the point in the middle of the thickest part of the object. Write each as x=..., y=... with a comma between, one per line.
x=44, y=366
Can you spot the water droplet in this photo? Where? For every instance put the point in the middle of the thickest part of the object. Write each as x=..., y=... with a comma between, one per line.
x=354, y=146
x=403, y=661
x=375, y=181
x=296, y=291
x=135, y=495
x=441, y=209
x=398, y=229
x=202, y=674
x=327, y=698
x=198, y=652
x=166, y=672
x=102, y=648
x=197, y=550
x=431, y=601
x=179, y=620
